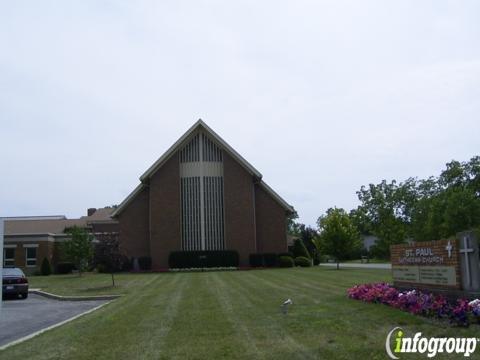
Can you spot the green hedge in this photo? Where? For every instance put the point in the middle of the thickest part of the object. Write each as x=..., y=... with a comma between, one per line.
x=145, y=263
x=303, y=261
x=255, y=260
x=203, y=259
x=46, y=268
x=263, y=260
x=64, y=268
x=285, y=261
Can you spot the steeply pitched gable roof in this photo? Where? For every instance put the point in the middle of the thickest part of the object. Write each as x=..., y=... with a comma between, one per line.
x=199, y=125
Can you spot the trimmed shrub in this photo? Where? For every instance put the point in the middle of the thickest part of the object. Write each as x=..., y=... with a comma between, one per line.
x=269, y=259
x=101, y=269
x=145, y=263
x=265, y=259
x=46, y=268
x=127, y=264
x=299, y=249
x=303, y=261
x=203, y=259
x=255, y=260
x=285, y=261
x=286, y=254
x=65, y=268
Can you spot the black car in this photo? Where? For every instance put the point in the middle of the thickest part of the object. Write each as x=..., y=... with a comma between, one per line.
x=14, y=283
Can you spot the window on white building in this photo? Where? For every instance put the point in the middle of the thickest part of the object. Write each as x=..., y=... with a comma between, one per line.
x=8, y=257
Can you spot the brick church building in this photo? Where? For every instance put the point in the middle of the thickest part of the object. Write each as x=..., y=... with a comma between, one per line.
x=201, y=195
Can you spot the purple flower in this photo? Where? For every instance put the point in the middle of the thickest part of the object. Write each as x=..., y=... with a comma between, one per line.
x=417, y=302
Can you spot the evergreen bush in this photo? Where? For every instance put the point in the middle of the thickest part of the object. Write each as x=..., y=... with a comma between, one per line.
x=285, y=261
x=303, y=261
x=46, y=268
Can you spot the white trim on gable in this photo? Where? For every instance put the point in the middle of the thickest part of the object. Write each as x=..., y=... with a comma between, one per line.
x=277, y=197
x=199, y=125
x=127, y=200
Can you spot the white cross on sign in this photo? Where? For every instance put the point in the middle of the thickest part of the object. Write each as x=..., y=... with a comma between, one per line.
x=465, y=251
x=449, y=248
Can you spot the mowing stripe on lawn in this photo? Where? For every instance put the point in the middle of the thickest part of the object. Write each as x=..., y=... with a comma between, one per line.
x=326, y=312
x=157, y=339
x=248, y=341
x=249, y=300
x=201, y=329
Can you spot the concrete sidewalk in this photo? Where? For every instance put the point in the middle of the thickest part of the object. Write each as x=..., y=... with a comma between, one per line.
x=385, y=266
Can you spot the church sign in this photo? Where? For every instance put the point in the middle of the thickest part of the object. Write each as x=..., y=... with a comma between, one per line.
x=443, y=264
x=429, y=264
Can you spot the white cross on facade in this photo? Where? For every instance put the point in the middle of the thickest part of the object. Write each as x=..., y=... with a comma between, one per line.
x=449, y=248
x=466, y=250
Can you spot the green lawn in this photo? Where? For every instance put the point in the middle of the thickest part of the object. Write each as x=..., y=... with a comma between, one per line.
x=226, y=315
x=371, y=261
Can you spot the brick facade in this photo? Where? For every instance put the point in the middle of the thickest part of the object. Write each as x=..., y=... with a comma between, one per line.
x=44, y=249
x=239, y=209
x=134, y=226
x=254, y=217
x=165, y=213
x=271, y=223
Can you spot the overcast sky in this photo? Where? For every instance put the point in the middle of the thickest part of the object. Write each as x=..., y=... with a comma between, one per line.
x=321, y=97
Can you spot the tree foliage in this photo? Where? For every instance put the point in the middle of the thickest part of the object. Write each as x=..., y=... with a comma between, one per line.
x=339, y=236
x=299, y=249
x=46, y=268
x=420, y=209
x=292, y=225
x=78, y=249
x=108, y=255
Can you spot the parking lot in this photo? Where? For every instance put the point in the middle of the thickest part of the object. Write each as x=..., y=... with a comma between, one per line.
x=19, y=318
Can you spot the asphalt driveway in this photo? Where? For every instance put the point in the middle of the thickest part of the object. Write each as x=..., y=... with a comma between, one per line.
x=19, y=318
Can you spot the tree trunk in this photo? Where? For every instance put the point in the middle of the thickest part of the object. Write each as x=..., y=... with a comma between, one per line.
x=338, y=265
x=113, y=280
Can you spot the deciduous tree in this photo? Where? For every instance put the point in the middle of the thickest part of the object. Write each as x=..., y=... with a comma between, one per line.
x=339, y=237
x=78, y=249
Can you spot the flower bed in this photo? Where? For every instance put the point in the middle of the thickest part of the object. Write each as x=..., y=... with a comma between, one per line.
x=417, y=302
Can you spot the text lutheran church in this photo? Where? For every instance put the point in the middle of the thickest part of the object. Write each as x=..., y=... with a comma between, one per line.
x=202, y=195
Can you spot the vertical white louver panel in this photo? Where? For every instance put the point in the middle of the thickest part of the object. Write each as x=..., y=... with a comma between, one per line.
x=201, y=177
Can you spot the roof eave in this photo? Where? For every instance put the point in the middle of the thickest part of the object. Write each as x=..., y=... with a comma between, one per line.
x=171, y=150
x=277, y=197
x=127, y=201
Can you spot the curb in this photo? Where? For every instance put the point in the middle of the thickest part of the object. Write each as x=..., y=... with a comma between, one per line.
x=72, y=298
x=36, y=333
